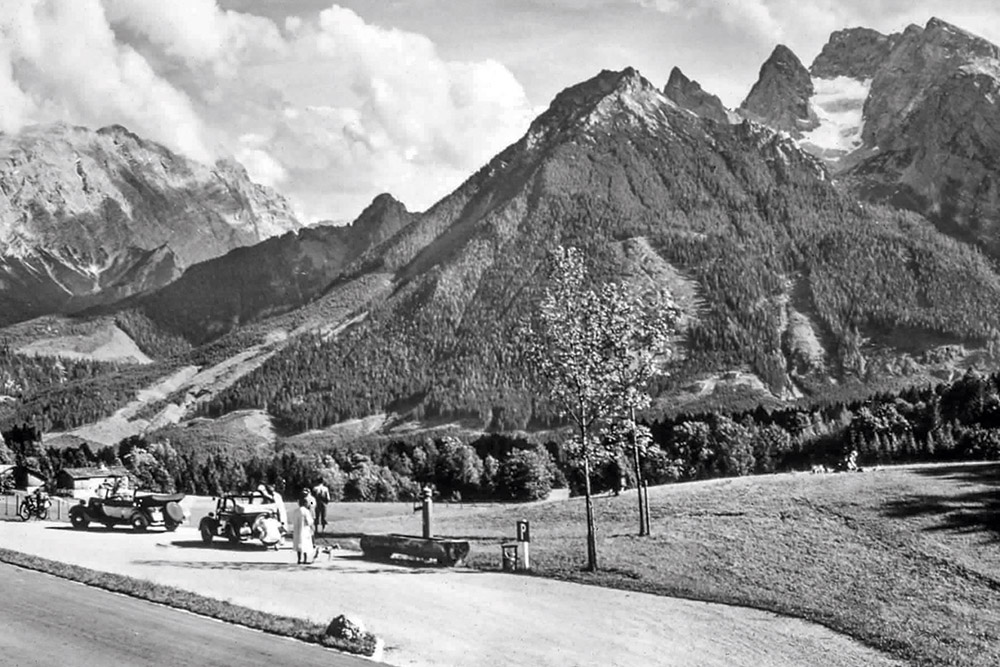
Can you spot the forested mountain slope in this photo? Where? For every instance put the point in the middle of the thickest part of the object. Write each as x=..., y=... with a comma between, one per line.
x=776, y=253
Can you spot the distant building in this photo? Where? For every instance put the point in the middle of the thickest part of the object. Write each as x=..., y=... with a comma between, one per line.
x=6, y=476
x=23, y=477
x=83, y=482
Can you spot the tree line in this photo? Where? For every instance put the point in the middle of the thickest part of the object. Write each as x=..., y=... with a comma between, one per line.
x=956, y=421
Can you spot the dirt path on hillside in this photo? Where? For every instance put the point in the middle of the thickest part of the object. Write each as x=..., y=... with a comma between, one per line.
x=431, y=616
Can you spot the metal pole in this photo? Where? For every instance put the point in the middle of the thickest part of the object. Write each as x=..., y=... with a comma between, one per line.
x=428, y=512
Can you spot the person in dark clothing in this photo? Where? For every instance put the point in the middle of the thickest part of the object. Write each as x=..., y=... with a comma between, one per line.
x=322, y=494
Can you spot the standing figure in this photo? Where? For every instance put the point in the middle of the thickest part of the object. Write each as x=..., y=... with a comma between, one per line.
x=302, y=539
x=280, y=502
x=307, y=495
x=322, y=493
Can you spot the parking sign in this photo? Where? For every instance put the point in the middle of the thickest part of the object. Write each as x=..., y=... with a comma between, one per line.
x=523, y=531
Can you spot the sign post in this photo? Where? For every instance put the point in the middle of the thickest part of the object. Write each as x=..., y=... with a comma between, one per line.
x=524, y=538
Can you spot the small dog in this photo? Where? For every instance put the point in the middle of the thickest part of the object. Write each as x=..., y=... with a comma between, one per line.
x=326, y=550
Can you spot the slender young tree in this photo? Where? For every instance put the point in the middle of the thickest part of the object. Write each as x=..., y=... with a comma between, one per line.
x=642, y=348
x=570, y=349
x=583, y=345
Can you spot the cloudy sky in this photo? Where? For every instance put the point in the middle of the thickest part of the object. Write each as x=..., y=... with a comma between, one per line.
x=335, y=103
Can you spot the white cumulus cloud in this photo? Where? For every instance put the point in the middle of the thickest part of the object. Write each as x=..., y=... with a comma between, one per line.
x=61, y=61
x=326, y=106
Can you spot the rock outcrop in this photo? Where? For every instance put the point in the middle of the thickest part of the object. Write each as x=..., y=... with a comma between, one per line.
x=780, y=98
x=923, y=59
x=690, y=95
x=932, y=122
x=853, y=52
x=380, y=220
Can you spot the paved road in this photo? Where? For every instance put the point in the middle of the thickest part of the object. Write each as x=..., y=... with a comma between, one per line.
x=49, y=621
x=437, y=617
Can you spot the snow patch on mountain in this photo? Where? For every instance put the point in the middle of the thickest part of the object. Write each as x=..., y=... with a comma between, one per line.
x=988, y=66
x=838, y=103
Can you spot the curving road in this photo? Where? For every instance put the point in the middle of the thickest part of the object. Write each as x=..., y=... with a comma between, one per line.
x=50, y=621
x=437, y=617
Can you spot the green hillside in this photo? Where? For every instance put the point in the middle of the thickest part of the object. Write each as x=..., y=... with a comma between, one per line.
x=753, y=222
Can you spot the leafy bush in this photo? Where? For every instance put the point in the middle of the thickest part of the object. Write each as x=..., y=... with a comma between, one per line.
x=525, y=475
x=457, y=468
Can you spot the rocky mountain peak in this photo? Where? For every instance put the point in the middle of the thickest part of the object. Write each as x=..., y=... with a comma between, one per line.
x=853, y=52
x=959, y=42
x=385, y=216
x=608, y=97
x=83, y=212
x=780, y=98
x=930, y=134
x=921, y=61
x=689, y=94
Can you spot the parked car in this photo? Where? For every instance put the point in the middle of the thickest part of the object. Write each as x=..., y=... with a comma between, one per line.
x=140, y=511
x=243, y=517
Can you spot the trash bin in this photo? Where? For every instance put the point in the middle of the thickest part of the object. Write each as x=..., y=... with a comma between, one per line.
x=509, y=556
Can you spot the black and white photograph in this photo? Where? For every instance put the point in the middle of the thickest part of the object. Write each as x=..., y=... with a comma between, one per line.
x=493, y=333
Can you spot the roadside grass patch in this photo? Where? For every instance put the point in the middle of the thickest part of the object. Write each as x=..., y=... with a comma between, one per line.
x=906, y=560
x=177, y=598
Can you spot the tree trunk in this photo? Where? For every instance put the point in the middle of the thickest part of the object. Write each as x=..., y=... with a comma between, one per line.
x=643, y=529
x=591, y=532
x=645, y=493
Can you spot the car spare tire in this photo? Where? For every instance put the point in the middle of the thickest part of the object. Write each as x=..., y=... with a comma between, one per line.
x=174, y=513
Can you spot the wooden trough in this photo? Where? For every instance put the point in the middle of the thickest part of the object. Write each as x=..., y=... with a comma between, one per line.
x=444, y=551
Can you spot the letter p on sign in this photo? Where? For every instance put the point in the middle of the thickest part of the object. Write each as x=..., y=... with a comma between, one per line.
x=523, y=531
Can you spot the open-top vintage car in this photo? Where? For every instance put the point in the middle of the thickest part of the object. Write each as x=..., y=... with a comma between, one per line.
x=140, y=511
x=242, y=517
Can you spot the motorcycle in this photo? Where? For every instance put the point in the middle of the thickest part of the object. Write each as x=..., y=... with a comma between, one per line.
x=37, y=506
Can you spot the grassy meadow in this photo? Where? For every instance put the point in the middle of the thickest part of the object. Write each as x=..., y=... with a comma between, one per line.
x=903, y=559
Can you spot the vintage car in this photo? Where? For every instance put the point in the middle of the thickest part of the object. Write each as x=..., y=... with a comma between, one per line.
x=141, y=511
x=242, y=517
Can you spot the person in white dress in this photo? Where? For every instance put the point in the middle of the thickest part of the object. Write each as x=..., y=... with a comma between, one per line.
x=302, y=537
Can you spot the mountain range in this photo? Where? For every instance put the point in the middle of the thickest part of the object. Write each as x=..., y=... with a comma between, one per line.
x=835, y=234
x=90, y=217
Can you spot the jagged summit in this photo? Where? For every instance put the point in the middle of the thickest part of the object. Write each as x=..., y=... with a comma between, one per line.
x=958, y=42
x=609, y=96
x=921, y=61
x=84, y=215
x=853, y=52
x=780, y=98
x=689, y=94
x=385, y=216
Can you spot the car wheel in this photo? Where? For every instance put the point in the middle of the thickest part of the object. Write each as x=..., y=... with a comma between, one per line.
x=78, y=520
x=206, y=532
x=139, y=522
x=24, y=511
